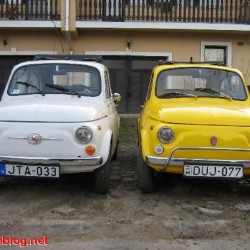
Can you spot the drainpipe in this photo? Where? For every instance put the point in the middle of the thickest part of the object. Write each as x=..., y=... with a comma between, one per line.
x=67, y=31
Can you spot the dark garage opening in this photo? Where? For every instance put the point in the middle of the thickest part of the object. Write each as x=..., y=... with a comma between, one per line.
x=129, y=77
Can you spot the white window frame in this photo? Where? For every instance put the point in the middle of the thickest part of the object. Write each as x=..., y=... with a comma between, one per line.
x=227, y=45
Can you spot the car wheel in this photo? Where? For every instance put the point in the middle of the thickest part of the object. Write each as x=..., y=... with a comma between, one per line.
x=145, y=175
x=101, y=178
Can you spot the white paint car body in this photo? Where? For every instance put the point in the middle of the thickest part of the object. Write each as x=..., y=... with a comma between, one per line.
x=39, y=129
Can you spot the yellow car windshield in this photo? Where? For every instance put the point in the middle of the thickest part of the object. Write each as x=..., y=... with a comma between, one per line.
x=200, y=82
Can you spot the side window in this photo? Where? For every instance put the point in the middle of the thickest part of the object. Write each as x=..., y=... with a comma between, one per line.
x=233, y=86
x=107, y=85
x=21, y=80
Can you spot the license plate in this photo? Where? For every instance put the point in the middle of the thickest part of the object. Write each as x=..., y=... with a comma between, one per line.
x=29, y=170
x=213, y=171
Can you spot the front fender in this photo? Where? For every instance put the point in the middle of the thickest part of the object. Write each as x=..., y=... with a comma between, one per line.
x=145, y=143
x=105, y=147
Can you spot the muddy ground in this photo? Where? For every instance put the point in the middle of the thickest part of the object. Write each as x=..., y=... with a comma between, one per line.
x=181, y=214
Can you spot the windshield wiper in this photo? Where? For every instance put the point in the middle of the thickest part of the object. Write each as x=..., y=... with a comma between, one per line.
x=176, y=93
x=63, y=89
x=207, y=90
x=32, y=86
x=213, y=91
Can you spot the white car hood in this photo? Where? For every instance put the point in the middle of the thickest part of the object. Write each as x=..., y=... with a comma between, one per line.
x=52, y=110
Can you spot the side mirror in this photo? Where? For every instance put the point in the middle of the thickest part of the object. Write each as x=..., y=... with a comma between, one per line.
x=117, y=98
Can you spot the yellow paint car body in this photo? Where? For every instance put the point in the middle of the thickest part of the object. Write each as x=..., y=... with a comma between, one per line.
x=209, y=128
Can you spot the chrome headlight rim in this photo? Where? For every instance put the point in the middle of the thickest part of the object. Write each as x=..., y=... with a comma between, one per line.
x=86, y=138
x=170, y=132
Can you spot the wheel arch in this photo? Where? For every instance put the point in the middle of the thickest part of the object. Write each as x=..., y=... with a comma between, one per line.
x=107, y=143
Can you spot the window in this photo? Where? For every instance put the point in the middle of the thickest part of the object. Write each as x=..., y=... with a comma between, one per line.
x=150, y=86
x=56, y=79
x=217, y=51
x=200, y=82
x=215, y=54
x=107, y=85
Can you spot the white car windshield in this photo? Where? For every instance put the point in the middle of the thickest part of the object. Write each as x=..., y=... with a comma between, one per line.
x=80, y=80
x=200, y=82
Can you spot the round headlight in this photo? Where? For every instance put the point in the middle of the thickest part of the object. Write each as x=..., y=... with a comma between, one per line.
x=166, y=135
x=84, y=135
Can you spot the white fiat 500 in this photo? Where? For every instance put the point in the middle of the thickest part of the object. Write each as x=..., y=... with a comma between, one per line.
x=59, y=117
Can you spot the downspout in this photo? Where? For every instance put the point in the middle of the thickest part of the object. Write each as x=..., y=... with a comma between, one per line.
x=67, y=31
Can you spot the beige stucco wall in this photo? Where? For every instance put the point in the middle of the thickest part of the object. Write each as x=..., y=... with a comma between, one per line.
x=33, y=40
x=182, y=45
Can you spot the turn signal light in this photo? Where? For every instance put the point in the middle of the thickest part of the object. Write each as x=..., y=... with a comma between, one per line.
x=90, y=150
x=158, y=149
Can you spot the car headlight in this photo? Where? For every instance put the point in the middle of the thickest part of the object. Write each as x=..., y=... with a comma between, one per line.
x=84, y=135
x=166, y=135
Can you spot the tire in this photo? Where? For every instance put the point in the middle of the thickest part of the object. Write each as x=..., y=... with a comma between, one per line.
x=145, y=175
x=102, y=177
x=115, y=155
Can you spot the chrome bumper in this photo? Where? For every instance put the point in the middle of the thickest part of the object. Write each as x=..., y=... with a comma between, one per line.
x=91, y=161
x=171, y=161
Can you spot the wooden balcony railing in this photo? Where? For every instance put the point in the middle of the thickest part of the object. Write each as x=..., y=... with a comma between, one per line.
x=200, y=11
x=29, y=9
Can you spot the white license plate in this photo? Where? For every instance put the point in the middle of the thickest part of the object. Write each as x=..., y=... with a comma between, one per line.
x=213, y=171
x=29, y=170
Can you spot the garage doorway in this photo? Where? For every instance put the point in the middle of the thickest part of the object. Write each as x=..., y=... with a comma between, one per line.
x=129, y=76
x=6, y=65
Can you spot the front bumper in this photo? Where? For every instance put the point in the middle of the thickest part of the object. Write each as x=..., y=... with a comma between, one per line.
x=166, y=162
x=67, y=165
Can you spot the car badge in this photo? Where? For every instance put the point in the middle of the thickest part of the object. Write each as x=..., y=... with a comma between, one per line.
x=213, y=141
x=34, y=138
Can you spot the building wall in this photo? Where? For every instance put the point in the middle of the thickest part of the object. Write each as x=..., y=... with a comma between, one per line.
x=182, y=45
x=33, y=40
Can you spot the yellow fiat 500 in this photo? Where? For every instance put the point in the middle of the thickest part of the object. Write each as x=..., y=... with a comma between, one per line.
x=195, y=122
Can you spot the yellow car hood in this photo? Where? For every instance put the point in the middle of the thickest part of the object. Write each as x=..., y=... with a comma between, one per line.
x=201, y=112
